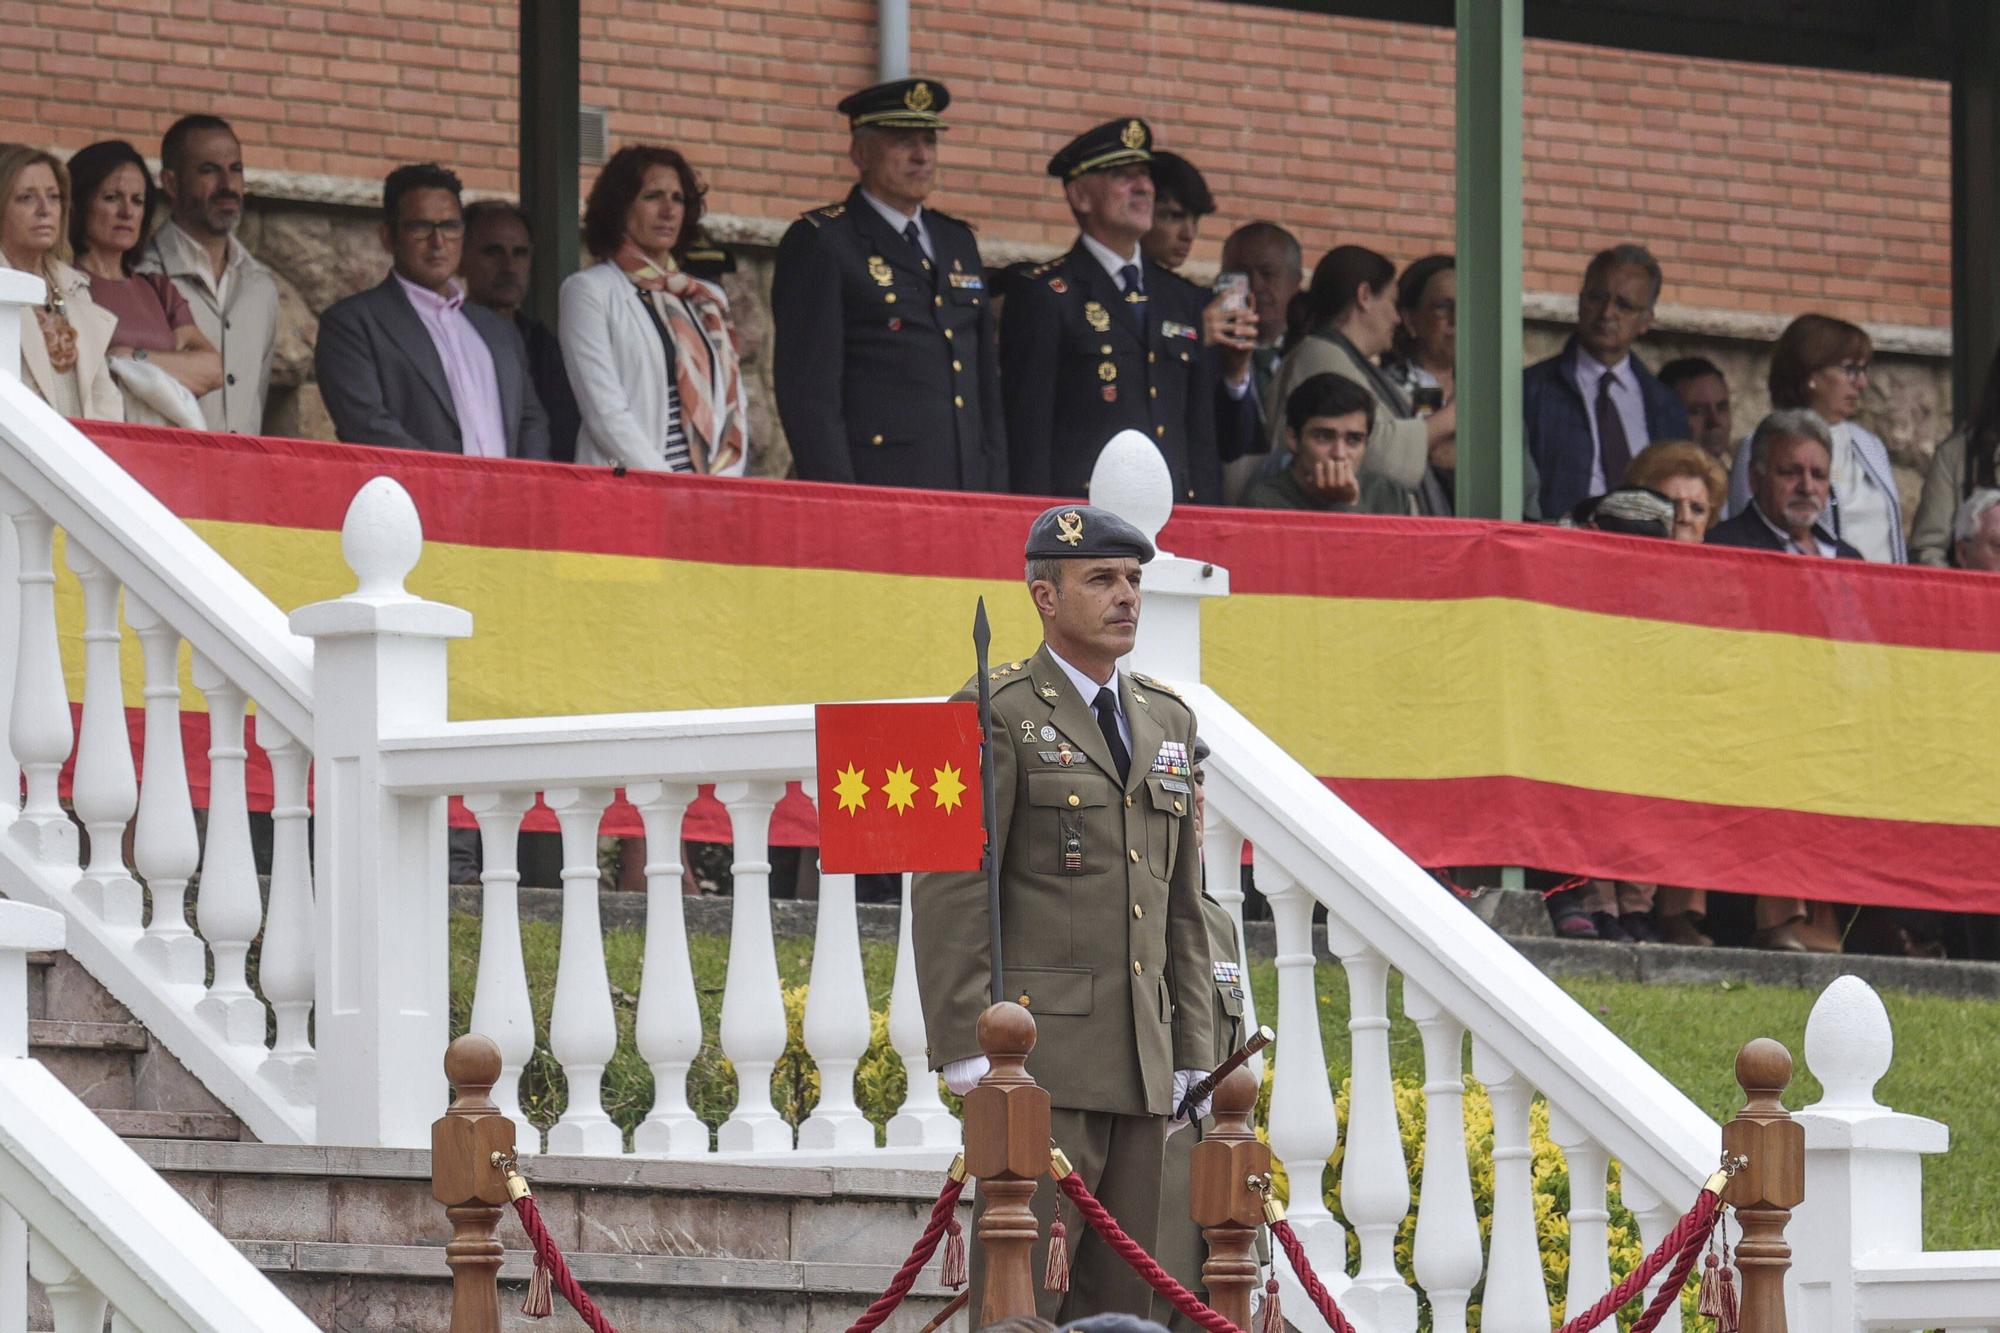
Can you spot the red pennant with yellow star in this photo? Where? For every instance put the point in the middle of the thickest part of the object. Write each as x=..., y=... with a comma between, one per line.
x=899, y=787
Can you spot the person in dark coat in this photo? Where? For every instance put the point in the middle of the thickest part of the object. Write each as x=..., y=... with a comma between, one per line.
x=887, y=370
x=1791, y=466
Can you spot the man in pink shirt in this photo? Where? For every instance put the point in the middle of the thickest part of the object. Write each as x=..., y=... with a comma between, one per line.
x=409, y=363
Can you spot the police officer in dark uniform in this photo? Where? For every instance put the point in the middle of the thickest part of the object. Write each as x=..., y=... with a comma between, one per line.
x=1101, y=340
x=887, y=367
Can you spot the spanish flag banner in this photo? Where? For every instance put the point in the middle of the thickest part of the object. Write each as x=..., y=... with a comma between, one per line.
x=1484, y=693
x=899, y=787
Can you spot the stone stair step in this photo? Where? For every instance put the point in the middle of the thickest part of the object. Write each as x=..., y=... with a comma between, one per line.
x=132, y=1124
x=85, y=1036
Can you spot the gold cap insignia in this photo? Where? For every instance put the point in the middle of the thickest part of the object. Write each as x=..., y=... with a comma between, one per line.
x=919, y=98
x=1070, y=528
x=1134, y=135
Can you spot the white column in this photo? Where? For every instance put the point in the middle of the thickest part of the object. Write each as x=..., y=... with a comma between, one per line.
x=10, y=624
x=1304, y=1131
x=1446, y=1255
x=1515, y=1300
x=13, y=1271
x=500, y=1006
x=105, y=788
x=583, y=1026
x=1374, y=1180
x=165, y=847
x=39, y=725
x=1222, y=861
x=228, y=907
x=753, y=1006
x=1656, y=1216
x=381, y=1005
x=1589, y=1213
x=285, y=963
x=922, y=1121
x=22, y=929
x=836, y=1019
x=74, y=1304
x=667, y=1029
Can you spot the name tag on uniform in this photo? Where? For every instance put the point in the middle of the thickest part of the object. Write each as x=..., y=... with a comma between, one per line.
x=1227, y=973
x=1174, y=784
x=969, y=281
x=1169, y=329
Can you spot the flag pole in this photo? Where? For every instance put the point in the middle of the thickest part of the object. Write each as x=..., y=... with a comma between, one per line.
x=981, y=638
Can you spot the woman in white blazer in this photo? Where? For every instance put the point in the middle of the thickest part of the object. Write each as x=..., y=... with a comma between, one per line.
x=649, y=349
x=65, y=342
x=1822, y=363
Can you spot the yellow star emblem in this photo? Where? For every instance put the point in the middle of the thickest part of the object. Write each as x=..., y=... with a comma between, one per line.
x=899, y=785
x=851, y=789
x=947, y=789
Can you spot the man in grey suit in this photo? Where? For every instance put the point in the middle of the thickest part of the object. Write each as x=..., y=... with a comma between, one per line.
x=410, y=363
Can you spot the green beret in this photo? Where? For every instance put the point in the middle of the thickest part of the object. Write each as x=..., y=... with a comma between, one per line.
x=1077, y=532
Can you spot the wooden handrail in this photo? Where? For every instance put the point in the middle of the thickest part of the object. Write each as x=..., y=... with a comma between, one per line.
x=1770, y=1185
x=1007, y=1152
x=465, y=1179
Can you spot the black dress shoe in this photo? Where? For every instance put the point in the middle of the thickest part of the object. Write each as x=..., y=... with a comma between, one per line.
x=1611, y=928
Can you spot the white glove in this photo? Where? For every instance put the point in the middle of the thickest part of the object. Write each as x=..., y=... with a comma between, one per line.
x=1183, y=1080
x=962, y=1076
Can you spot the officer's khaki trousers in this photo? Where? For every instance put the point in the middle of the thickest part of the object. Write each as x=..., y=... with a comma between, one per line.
x=1120, y=1160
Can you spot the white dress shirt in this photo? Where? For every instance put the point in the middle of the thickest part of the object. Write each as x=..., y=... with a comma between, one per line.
x=1112, y=261
x=1088, y=688
x=1822, y=547
x=1624, y=396
x=897, y=220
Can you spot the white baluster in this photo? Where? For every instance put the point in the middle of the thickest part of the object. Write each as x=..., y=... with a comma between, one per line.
x=77, y=1306
x=1656, y=1217
x=13, y=1271
x=1304, y=1129
x=285, y=963
x=1516, y=1299
x=500, y=1007
x=668, y=1028
x=753, y=1006
x=836, y=1019
x=10, y=622
x=104, y=788
x=22, y=928
x=1374, y=1180
x=228, y=907
x=1446, y=1258
x=1589, y=1215
x=165, y=846
x=583, y=1027
x=1222, y=861
x=922, y=1121
x=39, y=724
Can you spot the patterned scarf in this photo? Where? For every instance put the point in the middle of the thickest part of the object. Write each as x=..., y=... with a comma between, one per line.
x=706, y=373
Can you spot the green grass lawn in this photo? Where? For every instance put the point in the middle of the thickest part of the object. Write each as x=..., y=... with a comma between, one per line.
x=1691, y=1033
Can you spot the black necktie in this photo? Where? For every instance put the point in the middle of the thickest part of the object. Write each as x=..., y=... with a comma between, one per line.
x=1612, y=446
x=914, y=237
x=1128, y=282
x=1106, y=708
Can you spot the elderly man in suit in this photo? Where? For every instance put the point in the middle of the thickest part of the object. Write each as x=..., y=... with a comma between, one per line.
x=410, y=363
x=1100, y=868
x=1791, y=462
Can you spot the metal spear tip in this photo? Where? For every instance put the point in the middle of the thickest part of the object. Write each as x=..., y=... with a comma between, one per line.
x=981, y=634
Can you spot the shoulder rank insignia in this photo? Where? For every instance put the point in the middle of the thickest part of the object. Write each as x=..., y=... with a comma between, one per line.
x=1150, y=683
x=821, y=216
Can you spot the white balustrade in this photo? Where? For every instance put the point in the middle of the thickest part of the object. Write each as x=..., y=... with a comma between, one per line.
x=105, y=788
x=922, y=1121
x=228, y=909
x=668, y=1026
x=836, y=1019
x=1589, y=1212
x=1445, y=1254
x=74, y=1304
x=285, y=963
x=753, y=1005
x=1656, y=1216
x=1374, y=1179
x=500, y=1005
x=10, y=619
x=1222, y=864
x=1515, y=1299
x=1304, y=1128
x=165, y=846
x=39, y=722
x=583, y=1026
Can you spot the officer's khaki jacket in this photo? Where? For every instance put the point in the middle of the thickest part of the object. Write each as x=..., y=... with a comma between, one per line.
x=1100, y=887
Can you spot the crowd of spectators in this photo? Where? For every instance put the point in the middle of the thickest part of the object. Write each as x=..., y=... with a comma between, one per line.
x=1331, y=393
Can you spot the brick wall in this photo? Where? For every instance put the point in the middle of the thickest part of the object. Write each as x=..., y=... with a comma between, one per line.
x=1767, y=190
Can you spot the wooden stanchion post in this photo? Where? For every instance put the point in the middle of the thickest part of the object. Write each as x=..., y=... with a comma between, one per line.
x=472, y=1189
x=1221, y=1201
x=1007, y=1152
x=1770, y=1185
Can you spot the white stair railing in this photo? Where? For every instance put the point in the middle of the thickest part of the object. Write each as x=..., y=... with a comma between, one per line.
x=85, y=1217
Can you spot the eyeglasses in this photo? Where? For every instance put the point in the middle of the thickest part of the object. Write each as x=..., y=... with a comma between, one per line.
x=1854, y=370
x=418, y=229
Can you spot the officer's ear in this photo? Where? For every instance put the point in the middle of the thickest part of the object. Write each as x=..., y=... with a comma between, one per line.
x=856, y=153
x=1045, y=593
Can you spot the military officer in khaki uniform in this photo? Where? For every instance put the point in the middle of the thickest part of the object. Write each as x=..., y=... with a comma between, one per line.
x=1102, y=933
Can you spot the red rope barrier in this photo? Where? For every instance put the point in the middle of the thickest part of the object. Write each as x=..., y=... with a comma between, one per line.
x=1302, y=1269
x=1142, y=1263
x=551, y=1258
x=942, y=1214
x=1670, y=1290
x=1688, y=1236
